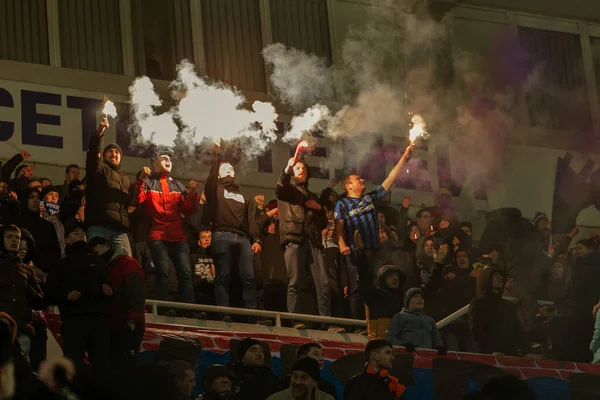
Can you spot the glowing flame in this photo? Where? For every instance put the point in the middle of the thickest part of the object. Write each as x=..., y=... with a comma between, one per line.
x=418, y=129
x=109, y=108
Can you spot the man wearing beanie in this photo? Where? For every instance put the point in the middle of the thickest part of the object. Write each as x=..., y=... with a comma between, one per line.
x=303, y=385
x=163, y=200
x=376, y=382
x=412, y=328
x=219, y=384
x=49, y=209
x=107, y=192
x=312, y=350
x=257, y=380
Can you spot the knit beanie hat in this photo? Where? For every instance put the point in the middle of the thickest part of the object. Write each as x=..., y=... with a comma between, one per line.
x=112, y=146
x=539, y=216
x=308, y=365
x=213, y=372
x=410, y=293
x=245, y=345
x=49, y=189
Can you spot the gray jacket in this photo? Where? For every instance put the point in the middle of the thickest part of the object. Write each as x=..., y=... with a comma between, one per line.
x=414, y=327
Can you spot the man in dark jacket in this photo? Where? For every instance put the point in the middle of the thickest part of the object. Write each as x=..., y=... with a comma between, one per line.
x=219, y=384
x=383, y=301
x=107, y=192
x=257, y=380
x=79, y=286
x=164, y=200
x=312, y=350
x=493, y=321
x=301, y=220
x=21, y=177
x=235, y=235
x=9, y=206
x=375, y=382
x=126, y=314
x=43, y=232
x=19, y=287
x=71, y=174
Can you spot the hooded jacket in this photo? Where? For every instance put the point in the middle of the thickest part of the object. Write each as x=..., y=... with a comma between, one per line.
x=257, y=383
x=80, y=272
x=43, y=232
x=227, y=210
x=382, y=302
x=107, y=190
x=19, y=287
x=164, y=200
x=494, y=323
x=296, y=221
x=414, y=327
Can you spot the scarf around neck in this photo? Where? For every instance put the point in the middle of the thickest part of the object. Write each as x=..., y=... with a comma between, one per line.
x=392, y=382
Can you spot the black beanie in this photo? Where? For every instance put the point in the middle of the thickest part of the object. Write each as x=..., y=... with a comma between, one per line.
x=410, y=293
x=213, y=372
x=245, y=346
x=309, y=366
x=48, y=189
x=112, y=146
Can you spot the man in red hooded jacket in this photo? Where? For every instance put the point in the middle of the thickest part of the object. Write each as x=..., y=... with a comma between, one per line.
x=165, y=200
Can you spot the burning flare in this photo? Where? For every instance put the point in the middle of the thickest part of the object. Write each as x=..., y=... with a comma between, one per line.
x=301, y=146
x=109, y=108
x=418, y=128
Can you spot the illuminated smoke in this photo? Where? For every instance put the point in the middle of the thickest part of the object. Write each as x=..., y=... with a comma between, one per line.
x=150, y=127
x=109, y=109
x=312, y=119
x=299, y=80
x=215, y=111
x=418, y=129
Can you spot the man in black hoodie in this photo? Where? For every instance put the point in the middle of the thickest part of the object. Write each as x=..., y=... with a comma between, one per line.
x=107, y=192
x=78, y=285
x=235, y=235
x=257, y=380
x=301, y=221
x=43, y=232
x=493, y=321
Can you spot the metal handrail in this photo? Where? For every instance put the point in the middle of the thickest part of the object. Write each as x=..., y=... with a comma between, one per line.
x=459, y=313
x=278, y=316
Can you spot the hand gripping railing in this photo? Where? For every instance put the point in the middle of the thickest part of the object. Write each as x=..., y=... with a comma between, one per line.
x=276, y=315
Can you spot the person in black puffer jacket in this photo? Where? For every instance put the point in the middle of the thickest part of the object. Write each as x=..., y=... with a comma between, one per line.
x=107, y=192
x=235, y=237
x=301, y=221
x=382, y=301
x=79, y=286
x=257, y=380
x=43, y=232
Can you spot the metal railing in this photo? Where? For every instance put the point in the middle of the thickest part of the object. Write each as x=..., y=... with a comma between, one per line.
x=279, y=316
x=276, y=315
x=458, y=314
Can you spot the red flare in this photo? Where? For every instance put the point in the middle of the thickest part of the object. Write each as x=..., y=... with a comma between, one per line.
x=302, y=145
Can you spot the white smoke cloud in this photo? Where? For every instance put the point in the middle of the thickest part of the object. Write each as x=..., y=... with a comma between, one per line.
x=150, y=127
x=312, y=119
x=299, y=80
x=215, y=111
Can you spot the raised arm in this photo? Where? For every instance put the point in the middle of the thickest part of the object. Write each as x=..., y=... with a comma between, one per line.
x=9, y=167
x=389, y=181
x=93, y=158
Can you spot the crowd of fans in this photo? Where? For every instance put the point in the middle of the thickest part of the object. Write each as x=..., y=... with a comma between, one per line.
x=99, y=247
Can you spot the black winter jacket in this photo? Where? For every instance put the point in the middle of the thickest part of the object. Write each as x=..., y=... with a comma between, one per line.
x=368, y=387
x=107, y=191
x=80, y=272
x=19, y=289
x=494, y=324
x=296, y=222
x=227, y=210
x=257, y=383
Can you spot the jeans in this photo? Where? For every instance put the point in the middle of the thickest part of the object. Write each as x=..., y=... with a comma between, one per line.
x=119, y=240
x=298, y=257
x=228, y=249
x=162, y=255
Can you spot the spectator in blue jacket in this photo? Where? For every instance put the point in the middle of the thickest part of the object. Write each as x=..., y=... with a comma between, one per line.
x=412, y=328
